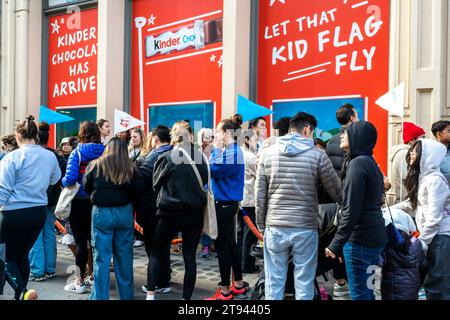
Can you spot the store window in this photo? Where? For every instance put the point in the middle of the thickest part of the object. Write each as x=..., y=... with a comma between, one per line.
x=199, y=115
x=60, y=3
x=323, y=109
x=70, y=129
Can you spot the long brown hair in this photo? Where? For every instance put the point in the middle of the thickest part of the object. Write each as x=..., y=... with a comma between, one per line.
x=412, y=179
x=115, y=165
x=89, y=133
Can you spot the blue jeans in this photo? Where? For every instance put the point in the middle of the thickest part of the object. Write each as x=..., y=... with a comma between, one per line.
x=279, y=244
x=113, y=234
x=43, y=254
x=360, y=261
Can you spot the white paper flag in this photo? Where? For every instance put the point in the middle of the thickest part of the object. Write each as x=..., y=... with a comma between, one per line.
x=124, y=122
x=394, y=100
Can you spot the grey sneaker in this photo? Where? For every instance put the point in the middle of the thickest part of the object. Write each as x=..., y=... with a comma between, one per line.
x=341, y=291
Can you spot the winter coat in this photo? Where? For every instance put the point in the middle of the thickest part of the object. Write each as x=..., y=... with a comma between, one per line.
x=433, y=209
x=54, y=191
x=76, y=168
x=445, y=166
x=402, y=269
x=108, y=194
x=335, y=153
x=228, y=173
x=176, y=183
x=147, y=207
x=289, y=173
x=250, y=178
x=361, y=220
x=399, y=170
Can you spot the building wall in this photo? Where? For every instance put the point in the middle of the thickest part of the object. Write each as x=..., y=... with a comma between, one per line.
x=419, y=56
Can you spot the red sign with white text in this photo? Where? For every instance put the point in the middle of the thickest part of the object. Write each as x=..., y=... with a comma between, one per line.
x=72, y=71
x=175, y=57
x=323, y=49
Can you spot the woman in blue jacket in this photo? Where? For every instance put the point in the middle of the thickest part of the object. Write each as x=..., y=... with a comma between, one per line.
x=227, y=173
x=89, y=148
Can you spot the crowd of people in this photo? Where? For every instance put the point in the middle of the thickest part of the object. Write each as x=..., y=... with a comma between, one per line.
x=159, y=182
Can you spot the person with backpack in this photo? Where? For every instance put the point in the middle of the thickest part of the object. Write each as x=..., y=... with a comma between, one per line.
x=43, y=254
x=114, y=184
x=25, y=175
x=361, y=234
x=428, y=196
x=180, y=176
x=89, y=148
x=147, y=210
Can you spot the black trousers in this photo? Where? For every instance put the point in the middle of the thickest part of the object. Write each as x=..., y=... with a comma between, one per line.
x=19, y=230
x=149, y=224
x=226, y=245
x=190, y=225
x=437, y=281
x=246, y=239
x=80, y=222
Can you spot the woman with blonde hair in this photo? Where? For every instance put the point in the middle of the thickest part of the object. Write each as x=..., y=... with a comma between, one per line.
x=137, y=143
x=114, y=184
x=180, y=203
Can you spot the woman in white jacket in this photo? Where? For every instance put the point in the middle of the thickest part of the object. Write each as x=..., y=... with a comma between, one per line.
x=429, y=197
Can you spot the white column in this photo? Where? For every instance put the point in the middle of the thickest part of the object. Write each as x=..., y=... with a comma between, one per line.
x=110, y=74
x=22, y=12
x=35, y=58
x=7, y=67
x=236, y=53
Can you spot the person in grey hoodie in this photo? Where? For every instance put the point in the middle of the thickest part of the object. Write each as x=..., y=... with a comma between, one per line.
x=429, y=196
x=287, y=207
x=25, y=175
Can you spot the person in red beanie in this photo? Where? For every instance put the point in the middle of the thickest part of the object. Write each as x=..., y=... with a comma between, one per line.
x=411, y=133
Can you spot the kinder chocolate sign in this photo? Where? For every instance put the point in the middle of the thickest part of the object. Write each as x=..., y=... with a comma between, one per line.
x=176, y=41
x=72, y=70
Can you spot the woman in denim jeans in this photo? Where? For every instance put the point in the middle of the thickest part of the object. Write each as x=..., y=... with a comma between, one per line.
x=113, y=183
x=361, y=232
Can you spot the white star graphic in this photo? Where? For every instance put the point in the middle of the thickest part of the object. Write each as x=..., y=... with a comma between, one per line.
x=213, y=58
x=220, y=62
x=151, y=20
x=272, y=2
x=55, y=27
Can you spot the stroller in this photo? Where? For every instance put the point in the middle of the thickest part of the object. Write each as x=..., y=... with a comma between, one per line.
x=327, y=231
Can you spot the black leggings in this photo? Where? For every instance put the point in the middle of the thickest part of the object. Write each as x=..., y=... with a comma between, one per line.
x=167, y=228
x=226, y=246
x=149, y=224
x=19, y=230
x=80, y=222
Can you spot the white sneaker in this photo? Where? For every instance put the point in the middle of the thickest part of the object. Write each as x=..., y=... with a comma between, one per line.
x=138, y=243
x=163, y=290
x=158, y=290
x=76, y=288
x=88, y=282
x=341, y=291
x=150, y=298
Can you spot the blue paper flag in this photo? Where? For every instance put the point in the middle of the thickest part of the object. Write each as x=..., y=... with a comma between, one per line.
x=52, y=117
x=250, y=110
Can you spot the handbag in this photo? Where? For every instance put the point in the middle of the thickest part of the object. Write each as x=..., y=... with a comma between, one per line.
x=209, y=211
x=64, y=205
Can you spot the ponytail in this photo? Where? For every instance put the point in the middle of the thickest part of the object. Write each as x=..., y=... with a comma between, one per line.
x=28, y=129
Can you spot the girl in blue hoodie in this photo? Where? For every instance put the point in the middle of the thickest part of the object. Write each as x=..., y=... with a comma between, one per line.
x=89, y=148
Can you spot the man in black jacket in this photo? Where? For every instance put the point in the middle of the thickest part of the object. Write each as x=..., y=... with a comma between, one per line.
x=146, y=213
